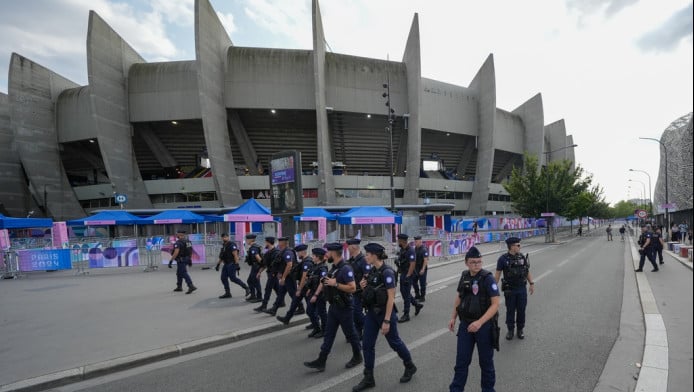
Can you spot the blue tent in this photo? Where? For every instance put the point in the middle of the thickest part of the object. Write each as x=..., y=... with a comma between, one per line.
x=108, y=218
x=250, y=211
x=315, y=212
x=175, y=216
x=368, y=215
x=7, y=222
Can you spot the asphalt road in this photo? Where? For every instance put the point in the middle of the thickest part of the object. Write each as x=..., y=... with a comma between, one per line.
x=572, y=324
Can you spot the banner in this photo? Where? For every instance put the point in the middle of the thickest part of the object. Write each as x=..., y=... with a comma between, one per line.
x=4, y=239
x=59, y=236
x=44, y=259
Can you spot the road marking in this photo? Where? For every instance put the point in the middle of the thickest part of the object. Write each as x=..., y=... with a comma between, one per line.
x=329, y=383
x=564, y=262
x=542, y=275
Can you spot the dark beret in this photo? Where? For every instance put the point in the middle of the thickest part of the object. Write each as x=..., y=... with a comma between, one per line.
x=353, y=241
x=374, y=248
x=403, y=236
x=334, y=246
x=300, y=247
x=270, y=240
x=473, y=253
x=225, y=234
x=417, y=237
x=318, y=251
x=251, y=236
x=283, y=239
x=181, y=232
x=513, y=240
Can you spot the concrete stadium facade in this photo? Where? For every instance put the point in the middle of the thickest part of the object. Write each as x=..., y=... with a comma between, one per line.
x=138, y=126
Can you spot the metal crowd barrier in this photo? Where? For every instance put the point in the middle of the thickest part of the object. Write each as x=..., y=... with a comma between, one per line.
x=10, y=263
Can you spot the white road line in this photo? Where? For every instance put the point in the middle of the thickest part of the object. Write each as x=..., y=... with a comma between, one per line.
x=564, y=262
x=327, y=384
x=542, y=275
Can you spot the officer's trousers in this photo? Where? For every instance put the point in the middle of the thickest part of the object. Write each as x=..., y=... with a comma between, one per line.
x=289, y=287
x=229, y=273
x=316, y=312
x=658, y=252
x=271, y=284
x=182, y=274
x=358, y=313
x=419, y=283
x=406, y=293
x=516, y=300
x=254, y=282
x=339, y=317
x=463, y=357
x=372, y=328
x=648, y=252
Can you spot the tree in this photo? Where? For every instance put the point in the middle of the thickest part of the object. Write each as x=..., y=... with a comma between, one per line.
x=623, y=209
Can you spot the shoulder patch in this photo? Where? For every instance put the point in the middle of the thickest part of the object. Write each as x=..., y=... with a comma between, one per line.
x=389, y=279
x=288, y=256
x=494, y=287
x=350, y=274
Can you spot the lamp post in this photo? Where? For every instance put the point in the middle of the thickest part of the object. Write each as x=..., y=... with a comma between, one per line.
x=389, y=130
x=642, y=193
x=667, y=198
x=550, y=219
x=650, y=194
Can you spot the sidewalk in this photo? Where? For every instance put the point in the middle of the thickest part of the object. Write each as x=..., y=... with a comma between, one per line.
x=65, y=328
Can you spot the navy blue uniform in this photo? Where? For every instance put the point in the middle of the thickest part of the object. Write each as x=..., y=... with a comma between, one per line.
x=405, y=259
x=272, y=281
x=648, y=251
x=316, y=311
x=360, y=268
x=657, y=247
x=185, y=250
x=419, y=280
x=386, y=278
x=475, y=291
x=340, y=312
x=230, y=268
x=515, y=269
x=295, y=275
x=253, y=281
x=287, y=257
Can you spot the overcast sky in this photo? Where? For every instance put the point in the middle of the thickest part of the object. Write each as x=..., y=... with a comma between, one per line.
x=613, y=70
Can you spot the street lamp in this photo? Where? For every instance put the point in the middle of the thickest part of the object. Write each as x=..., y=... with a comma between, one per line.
x=550, y=219
x=650, y=194
x=643, y=193
x=389, y=129
x=667, y=199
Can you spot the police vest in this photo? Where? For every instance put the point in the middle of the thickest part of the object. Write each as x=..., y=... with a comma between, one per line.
x=643, y=238
x=298, y=268
x=474, y=298
x=250, y=257
x=516, y=270
x=655, y=241
x=185, y=250
x=357, y=265
x=227, y=253
x=334, y=295
x=375, y=295
x=269, y=258
x=420, y=251
x=280, y=262
x=403, y=261
x=314, y=276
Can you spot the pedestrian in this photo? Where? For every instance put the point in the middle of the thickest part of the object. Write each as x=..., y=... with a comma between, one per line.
x=684, y=229
x=646, y=248
x=406, y=267
x=338, y=287
x=516, y=274
x=609, y=232
x=255, y=261
x=182, y=252
x=360, y=267
x=580, y=230
x=675, y=233
x=421, y=266
x=622, y=231
x=229, y=259
x=476, y=305
x=271, y=253
x=315, y=308
x=381, y=315
x=298, y=273
x=281, y=268
x=658, y=245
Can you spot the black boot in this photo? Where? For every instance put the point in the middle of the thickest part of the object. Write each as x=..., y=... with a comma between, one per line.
x=256, y=299
x=313, y=333
x=260, y=308
x=318, y=364
x=405, y=318
x=509, y=335
x=367, y=382
x=311, y=326
x=356, y=358
x=320, y=334
x=410, y=370
x=248, y=292
x=272, y=311
x=520, y=334
x=300, y=310
x=423, y=299
x=284, y=320
x=417, y=308
x=178, y=288
x=225, y=295
x=191, y=288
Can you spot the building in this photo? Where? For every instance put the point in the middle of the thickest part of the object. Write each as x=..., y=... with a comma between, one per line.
x=199, y=133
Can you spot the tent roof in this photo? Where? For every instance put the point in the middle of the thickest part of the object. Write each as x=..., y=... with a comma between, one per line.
x=368, y=215
x=108, y=218
x=315, y=212
x=175, y=216
x=250, y=211
x=7, y=222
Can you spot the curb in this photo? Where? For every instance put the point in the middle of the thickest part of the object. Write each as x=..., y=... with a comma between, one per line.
x=98, y=369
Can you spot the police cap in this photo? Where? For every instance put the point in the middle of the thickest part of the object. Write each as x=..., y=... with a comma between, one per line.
x=181, y=232
x=318, y=251
x=512, y=240
x=251, y=236
x=403, y=236
x=417, y=237
x=270, y=240
x=374, y=248
x=284, y=239
x=334, y=246
x=300, y=247
x=353, y=241
x=473, y=253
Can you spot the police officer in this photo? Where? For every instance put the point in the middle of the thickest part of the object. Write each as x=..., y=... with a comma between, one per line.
x=338, y=287
x=315, y=307
x=298, y=272
x=406, y=268
x=476, y=304
x=419, y=283
x=516, y=270
x=183, y=250
x=269, y=257
x=646, y=248
x=658, y=245
x=229, y=256
x=281, y=267
x=255, y=260
x=360, y=267
x=379, y=299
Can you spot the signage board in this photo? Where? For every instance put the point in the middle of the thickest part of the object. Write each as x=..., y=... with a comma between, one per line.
x=285, y=183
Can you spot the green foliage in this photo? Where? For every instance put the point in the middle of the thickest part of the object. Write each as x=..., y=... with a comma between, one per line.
x=623, y=209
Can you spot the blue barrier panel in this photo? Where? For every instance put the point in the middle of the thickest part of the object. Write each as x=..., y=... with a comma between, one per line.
x=44, y=259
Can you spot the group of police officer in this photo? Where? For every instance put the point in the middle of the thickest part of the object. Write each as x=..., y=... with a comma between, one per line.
x=651, y=244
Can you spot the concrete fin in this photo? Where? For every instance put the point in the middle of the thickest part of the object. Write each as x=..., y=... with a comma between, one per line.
x=413, y=64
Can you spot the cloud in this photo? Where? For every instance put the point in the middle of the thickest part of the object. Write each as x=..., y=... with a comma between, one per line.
x=227, y=21
x=285, y=18
x=179, y=12
x=608, y=7
x=666, y=37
